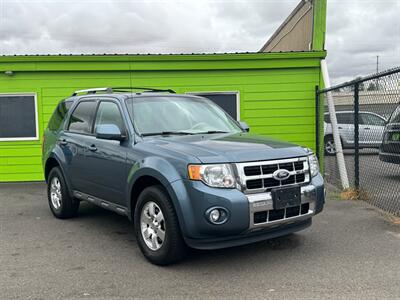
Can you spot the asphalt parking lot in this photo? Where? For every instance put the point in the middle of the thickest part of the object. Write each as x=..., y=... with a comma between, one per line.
x=351, y=251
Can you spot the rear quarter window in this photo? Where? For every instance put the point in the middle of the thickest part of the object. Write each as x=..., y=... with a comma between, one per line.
x=59, y=114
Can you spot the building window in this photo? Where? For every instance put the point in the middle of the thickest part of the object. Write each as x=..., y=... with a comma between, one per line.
x=18, y=117
x=228, y=101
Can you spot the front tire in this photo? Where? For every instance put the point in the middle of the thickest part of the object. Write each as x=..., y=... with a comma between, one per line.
x=157, y=229
x=61, y=204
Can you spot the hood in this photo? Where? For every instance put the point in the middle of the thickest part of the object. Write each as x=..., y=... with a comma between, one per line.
x=240, y=147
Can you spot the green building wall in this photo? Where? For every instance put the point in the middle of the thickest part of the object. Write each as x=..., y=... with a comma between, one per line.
x=277, y=90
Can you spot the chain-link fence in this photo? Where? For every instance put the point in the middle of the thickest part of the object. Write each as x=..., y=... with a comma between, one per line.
x=368, y=122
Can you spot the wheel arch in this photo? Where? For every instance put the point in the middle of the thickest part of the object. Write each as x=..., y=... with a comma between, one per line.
x=149, y=177
x=51, y=163
x=54, y=161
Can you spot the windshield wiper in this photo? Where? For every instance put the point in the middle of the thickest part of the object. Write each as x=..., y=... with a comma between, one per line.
x=167, y=133
x=212, y=131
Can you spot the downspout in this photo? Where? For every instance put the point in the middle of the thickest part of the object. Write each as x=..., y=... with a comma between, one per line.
x=336, y=137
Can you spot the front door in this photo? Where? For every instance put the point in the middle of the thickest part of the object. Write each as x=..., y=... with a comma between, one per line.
x=371, y=129
x=107, y=158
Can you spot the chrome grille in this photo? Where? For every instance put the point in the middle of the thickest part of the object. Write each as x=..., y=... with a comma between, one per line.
x=257, y=176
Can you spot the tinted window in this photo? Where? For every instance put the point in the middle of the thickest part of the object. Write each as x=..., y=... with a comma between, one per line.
x=109, y=113
x=81, y=118
x=17, y=116
x=327, y=118
x=345, y=118
x=59, y=115
x=369, y=119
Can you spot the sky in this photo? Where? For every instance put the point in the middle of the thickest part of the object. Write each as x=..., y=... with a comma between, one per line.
x=357, y=30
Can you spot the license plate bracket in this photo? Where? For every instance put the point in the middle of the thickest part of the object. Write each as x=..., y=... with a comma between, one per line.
x=286, y=197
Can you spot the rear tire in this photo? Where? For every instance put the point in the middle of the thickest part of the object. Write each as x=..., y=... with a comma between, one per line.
x=329, y=145
x=157, y=229
x=61, y=204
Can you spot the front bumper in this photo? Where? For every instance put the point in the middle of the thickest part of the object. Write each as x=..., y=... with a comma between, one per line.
x=248, y=237
x=241, y=227
x=393, y=158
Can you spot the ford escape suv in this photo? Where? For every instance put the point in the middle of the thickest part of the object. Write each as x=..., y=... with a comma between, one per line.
x=180, y=168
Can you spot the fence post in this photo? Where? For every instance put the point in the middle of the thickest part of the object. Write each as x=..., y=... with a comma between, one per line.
x=336, y=137
x=317, y=146
x=356, y=137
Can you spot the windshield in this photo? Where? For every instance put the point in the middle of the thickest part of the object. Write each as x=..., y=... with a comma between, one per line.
x=178, y=115
x=395, y=118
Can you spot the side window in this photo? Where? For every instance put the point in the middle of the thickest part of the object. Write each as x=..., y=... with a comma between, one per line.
x=327, y=118
x=81, y=119
x=59, y=115
x=109, y=113
x=345, y=118
x=369, y=119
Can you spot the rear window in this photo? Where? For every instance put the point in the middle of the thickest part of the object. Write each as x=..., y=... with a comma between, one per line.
x=59, y=115
x=82, y=117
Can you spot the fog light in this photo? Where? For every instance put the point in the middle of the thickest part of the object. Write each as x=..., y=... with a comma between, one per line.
x=216, y=215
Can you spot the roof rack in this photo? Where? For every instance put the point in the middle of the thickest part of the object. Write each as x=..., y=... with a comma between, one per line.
x=92, y=91
x=121, y=89
x=110, y=90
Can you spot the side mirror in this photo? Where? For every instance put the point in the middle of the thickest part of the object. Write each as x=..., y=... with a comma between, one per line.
x=244, y=126
x=109, y=132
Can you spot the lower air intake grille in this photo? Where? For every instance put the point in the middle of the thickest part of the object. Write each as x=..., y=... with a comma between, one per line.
x=280, y=214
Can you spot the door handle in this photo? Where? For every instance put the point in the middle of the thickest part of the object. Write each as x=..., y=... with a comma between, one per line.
x=367, y=128
x=340, y=127
x=63, y=142
x=92, y=148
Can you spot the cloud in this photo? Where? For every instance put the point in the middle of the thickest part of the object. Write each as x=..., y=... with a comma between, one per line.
x=357, y=30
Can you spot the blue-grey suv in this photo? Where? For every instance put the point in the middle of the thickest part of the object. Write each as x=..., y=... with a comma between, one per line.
x=180, y=167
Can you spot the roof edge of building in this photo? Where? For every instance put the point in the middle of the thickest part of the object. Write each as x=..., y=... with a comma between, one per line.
x=170, y=56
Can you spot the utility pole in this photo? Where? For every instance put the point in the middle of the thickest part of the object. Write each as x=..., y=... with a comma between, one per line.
x=377, y=71
x=377, y=64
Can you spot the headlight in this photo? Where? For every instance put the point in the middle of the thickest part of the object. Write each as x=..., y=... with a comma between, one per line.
x=218, y=175
x=314, y=166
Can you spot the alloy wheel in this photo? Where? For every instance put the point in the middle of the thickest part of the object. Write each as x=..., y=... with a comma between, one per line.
x=55, y=193
x=152, y=225
x=330, y=147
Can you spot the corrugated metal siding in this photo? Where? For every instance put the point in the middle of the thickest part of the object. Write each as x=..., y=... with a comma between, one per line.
x=274, y=101
x=295, y=34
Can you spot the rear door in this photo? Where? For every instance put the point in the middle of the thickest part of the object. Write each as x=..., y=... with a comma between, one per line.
x=346, y=127
x=75, y=140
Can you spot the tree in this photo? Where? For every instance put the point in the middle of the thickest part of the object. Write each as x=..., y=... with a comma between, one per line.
x=371, y=86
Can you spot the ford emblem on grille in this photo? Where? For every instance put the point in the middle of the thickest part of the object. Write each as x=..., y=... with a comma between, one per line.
x=281, y=174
